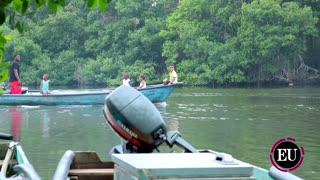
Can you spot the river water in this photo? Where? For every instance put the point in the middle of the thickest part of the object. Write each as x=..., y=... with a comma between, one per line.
x=242, y=122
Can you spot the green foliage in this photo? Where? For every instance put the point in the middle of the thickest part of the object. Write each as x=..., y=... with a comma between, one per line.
x=140, y=67
x=102, y=4
x=192, y=72
x=103, y=70
x=210, y=42
x=61, y=31
x=270, y=30
x=21, y=5
x=64, y=67
x=14, y=9
x=228, y=66
x=3, y=65
x=192, y=34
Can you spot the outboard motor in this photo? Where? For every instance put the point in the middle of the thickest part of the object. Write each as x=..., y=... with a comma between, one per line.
x=138, y=122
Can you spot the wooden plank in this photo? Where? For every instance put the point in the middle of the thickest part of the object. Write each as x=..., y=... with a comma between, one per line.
x=81, y=172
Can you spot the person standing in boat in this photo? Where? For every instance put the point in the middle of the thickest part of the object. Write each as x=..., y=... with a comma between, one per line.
x=126, y=80
x=142, y=80
x=44, y=84
x=14, y=76
x=173, y=76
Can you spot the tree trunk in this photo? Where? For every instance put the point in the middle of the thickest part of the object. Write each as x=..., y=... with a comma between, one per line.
x=297, y=72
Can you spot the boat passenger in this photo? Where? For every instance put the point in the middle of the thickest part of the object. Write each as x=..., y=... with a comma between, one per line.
x=126, y=80
x=14, y=72
x=44, y=84
x=173, y=76
x=142, y=80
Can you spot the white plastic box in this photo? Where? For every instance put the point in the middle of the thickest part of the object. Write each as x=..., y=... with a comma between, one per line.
x=188, y=166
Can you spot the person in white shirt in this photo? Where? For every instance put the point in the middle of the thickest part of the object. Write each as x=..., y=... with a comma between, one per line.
x=142, y=80
x=126, y=80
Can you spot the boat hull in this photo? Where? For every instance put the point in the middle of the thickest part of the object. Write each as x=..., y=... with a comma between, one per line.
x=155, y=93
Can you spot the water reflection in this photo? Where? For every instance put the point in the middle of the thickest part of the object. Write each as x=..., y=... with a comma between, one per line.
x=16, y=121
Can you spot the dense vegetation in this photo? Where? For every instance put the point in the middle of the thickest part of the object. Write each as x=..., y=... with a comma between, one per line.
x=220, y=42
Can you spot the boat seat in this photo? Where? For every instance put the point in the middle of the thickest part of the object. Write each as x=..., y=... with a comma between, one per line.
x=91, y=172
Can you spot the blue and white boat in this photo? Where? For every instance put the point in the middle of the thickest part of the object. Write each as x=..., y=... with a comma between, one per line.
x=155, y=93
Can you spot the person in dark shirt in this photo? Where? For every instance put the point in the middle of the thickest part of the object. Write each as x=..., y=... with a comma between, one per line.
x=14, y=72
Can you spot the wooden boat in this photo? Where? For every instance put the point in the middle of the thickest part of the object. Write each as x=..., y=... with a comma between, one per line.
x=155, y=93
x=77, y=165
x=13, y=161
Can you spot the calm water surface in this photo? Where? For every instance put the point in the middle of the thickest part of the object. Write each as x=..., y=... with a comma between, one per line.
x=242, y=122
